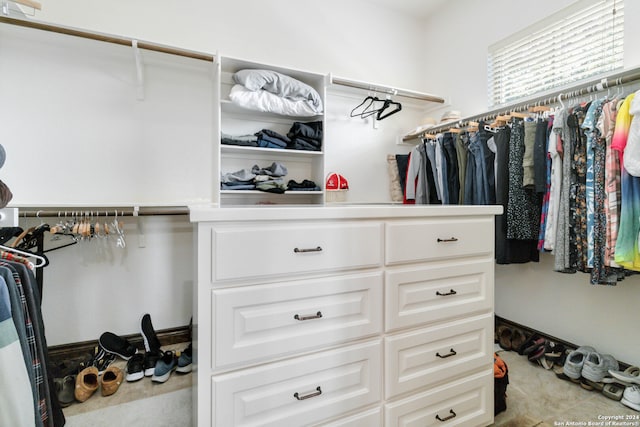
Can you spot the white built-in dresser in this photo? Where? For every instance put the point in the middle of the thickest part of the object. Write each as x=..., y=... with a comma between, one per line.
x=365, y=315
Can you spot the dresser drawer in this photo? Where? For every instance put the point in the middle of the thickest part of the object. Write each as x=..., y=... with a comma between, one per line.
x=371, y=418
x=429, y=356
x=415, y=241
x=437, y=292
x=302, y=391
x=258, y=322
x=467, y=402
x=264, y=250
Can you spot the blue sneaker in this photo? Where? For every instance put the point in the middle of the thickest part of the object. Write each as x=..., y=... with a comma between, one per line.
x=184, y=361
x=167, y=364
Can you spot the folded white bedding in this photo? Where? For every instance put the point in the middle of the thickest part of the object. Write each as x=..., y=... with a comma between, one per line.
x=280, y=85
x=261, y=100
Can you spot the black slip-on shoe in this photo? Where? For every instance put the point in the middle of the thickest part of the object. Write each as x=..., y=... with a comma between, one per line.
x=151, y=341
x=112, y=343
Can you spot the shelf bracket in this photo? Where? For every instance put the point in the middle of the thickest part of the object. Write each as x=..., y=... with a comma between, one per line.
x=139, y=70
x=141, y=238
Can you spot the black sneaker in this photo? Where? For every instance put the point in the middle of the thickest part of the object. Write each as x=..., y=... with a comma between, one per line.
x=111, y=343
x=135, y=370
x=150, y=360
x=151, y=341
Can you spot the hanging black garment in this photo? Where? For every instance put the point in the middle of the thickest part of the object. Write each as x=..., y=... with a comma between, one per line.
x=524, y=206
x=508, y=251
x=451, y=157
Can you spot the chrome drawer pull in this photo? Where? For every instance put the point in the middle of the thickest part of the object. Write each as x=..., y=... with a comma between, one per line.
x=452, y=352
x=313, y=316
x=453, y=415
x=452, y=239
x=318, y=392
x=299, y=251
x=451, y=292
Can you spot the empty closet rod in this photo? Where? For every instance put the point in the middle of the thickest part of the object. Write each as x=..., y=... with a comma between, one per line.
x=386, y=89
x=106, y=38
x=101, y=210
x=593, y=86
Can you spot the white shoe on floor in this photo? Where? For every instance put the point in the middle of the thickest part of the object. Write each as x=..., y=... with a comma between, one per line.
x=631, y=397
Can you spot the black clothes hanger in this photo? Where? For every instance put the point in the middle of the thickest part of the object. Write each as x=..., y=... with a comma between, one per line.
x=8, y=233
x=32, y=238
x=371, y=100
x=386, y=105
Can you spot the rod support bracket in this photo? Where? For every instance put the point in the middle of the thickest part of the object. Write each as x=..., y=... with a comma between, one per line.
x=141, y=238
x=139, y=70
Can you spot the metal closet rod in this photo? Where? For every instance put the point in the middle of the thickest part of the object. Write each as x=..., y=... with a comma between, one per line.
x=124, y=41
x=386, y=89
x=618, y=79
x=102, y=211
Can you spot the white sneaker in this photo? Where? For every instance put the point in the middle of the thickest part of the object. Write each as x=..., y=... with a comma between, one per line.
x=575, y=361
x=631, y=397
x=596, y=366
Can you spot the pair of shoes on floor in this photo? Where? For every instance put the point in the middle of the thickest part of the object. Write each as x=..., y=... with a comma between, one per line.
x=89, y=380
x=575, y=361
x=143, y=365
x=624, y=386
x=510, y=338
x=170, y=362
x=119, y=346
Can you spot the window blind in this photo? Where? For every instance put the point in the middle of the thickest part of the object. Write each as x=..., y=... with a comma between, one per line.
x=584, y=41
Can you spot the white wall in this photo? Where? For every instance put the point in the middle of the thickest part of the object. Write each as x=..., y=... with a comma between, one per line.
x=565, y=306
x=349, y=38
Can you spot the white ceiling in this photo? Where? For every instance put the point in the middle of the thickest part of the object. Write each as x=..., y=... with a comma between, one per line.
x=415, y=8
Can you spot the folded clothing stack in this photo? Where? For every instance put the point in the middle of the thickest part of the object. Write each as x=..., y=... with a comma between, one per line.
x=268, y=179
x=271, y=139
x=305, y=185
x=306, y=136
x=242, y=140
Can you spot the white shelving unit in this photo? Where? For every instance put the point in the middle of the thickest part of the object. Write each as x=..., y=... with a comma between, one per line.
x=235, y=120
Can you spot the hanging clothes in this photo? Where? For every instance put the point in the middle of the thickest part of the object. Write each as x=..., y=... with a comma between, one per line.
x=612, y=182
x=626, y=252
x=555, y=187
x=523, y=208
x=589, y=128
x=508, y=251
x=564, y=148
x=577, y=200
x=26, y=316
x=600, y=272
x=16, y=397
x=542, y=161
x=451, y=160
x=462, y=141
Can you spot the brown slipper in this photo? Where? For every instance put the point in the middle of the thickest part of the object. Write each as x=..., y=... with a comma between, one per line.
x=504, y=335
x=111, y=380
x=86, y=383
x=518, y=338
